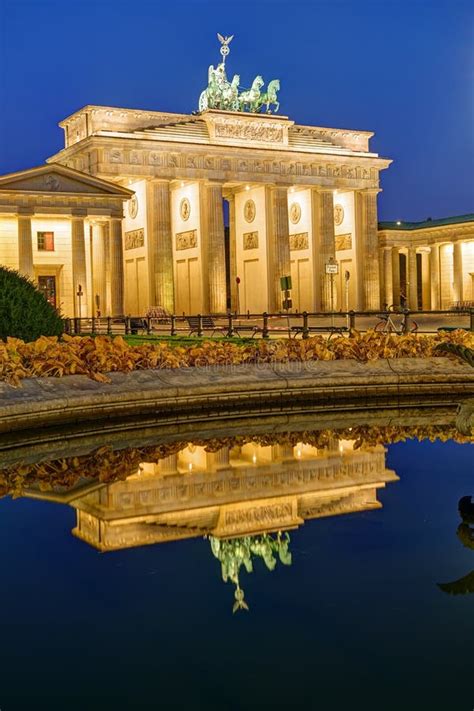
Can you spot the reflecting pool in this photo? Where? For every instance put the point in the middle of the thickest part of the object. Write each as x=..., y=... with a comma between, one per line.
x=293, y=564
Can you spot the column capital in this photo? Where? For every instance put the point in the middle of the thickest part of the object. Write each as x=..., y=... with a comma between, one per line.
x=212, y=183
x=322, y=189
x=25, y=212
x=151, y=179
x=368, y=191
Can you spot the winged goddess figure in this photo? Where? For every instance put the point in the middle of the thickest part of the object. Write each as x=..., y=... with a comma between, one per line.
x=225, y=42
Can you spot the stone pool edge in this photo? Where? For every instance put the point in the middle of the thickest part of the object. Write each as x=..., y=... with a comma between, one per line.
x=217, y=390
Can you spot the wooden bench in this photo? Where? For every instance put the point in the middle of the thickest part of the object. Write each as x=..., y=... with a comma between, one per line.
x=199, y=324
x=248, y=329
x=208, y=324
x=320, y=329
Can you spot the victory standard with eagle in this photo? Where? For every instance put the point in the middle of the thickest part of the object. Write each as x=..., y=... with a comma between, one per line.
x=225, y=95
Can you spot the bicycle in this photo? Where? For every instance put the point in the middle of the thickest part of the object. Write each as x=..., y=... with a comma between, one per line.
x=388, y=325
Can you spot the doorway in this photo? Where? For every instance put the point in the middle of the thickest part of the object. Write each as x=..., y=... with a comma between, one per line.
x=47, y=285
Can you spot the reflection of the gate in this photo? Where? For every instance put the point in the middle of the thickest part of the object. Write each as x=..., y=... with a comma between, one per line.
x=241, y=491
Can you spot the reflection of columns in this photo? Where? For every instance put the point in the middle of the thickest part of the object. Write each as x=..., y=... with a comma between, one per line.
x=99, y=276
x=395, y=276
x=282, y=452
x=160, y=246
x=388, y=276
x=233, y=254
x=324, y=247
x=367, y=249
x=79, y=273
x=25, y=247
x=412, y=279
x=278, y=243
x=434, y=276
x=168, y=465
x=457, y=272
x=218, y=460
x=116, y=268
x=212, y=240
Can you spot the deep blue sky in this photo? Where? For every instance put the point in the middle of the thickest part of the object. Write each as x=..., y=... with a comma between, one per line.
x=402, y=69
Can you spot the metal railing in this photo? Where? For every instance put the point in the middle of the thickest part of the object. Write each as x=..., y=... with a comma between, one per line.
x=267, y=325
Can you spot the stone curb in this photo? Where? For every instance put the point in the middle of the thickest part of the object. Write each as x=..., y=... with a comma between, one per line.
x=214, y=390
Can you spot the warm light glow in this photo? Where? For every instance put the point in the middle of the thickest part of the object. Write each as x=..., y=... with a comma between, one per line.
x=398, y=222
x=182, y=183
x=298, y=453
x=254, y=458
x=247, y=187
x=190, y=466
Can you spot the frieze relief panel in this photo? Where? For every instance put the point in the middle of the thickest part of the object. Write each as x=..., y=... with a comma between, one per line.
x=134, y=239
x=343, y=241
x=171, y=164
x=267, y=132
x=299, y=240
x=172, y=489
x=250, y=240
x=186, y=240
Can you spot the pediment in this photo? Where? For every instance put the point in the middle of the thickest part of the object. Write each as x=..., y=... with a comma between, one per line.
x=55, y=178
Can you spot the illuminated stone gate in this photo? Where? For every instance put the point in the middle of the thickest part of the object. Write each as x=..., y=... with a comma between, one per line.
x=297, y=195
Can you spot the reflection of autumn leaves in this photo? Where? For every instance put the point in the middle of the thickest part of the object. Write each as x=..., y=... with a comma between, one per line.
x=106, y=466
x=95, y=357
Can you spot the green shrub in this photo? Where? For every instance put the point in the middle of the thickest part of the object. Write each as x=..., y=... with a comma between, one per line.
x=24, y=310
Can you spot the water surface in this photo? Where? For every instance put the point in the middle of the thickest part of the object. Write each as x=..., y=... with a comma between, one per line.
x=357, y=621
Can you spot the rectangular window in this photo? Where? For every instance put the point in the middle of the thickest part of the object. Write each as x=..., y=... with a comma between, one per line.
x=46, y=241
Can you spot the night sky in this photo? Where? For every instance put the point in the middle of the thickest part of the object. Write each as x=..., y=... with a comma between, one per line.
x=402, y=69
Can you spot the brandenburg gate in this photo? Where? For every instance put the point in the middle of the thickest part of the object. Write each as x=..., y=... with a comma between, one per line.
x=294, y=197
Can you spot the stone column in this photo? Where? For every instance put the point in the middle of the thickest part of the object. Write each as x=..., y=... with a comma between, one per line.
x=25, y=246
x=233, y=254
x=213, y=246
x=381, y=274
x=434, y=277
x=160, y=244
x=388, y=276
x=367, y=249
x=108, y=284
x=99, y=280
x=395, y=276
x=324, y=245
x=425, y=280
x=457, y=272
x=278, y=243
x=116, y=268
x=412, y=278
x=79, y=271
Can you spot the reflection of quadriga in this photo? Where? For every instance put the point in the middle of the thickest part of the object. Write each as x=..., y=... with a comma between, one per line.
x=465, y=533
x=238, y=552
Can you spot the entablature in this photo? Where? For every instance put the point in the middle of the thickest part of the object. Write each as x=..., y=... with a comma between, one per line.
x=426, y=237
x=123, y=159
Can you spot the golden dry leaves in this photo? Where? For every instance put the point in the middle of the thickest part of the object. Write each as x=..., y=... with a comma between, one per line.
x=96, y=357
